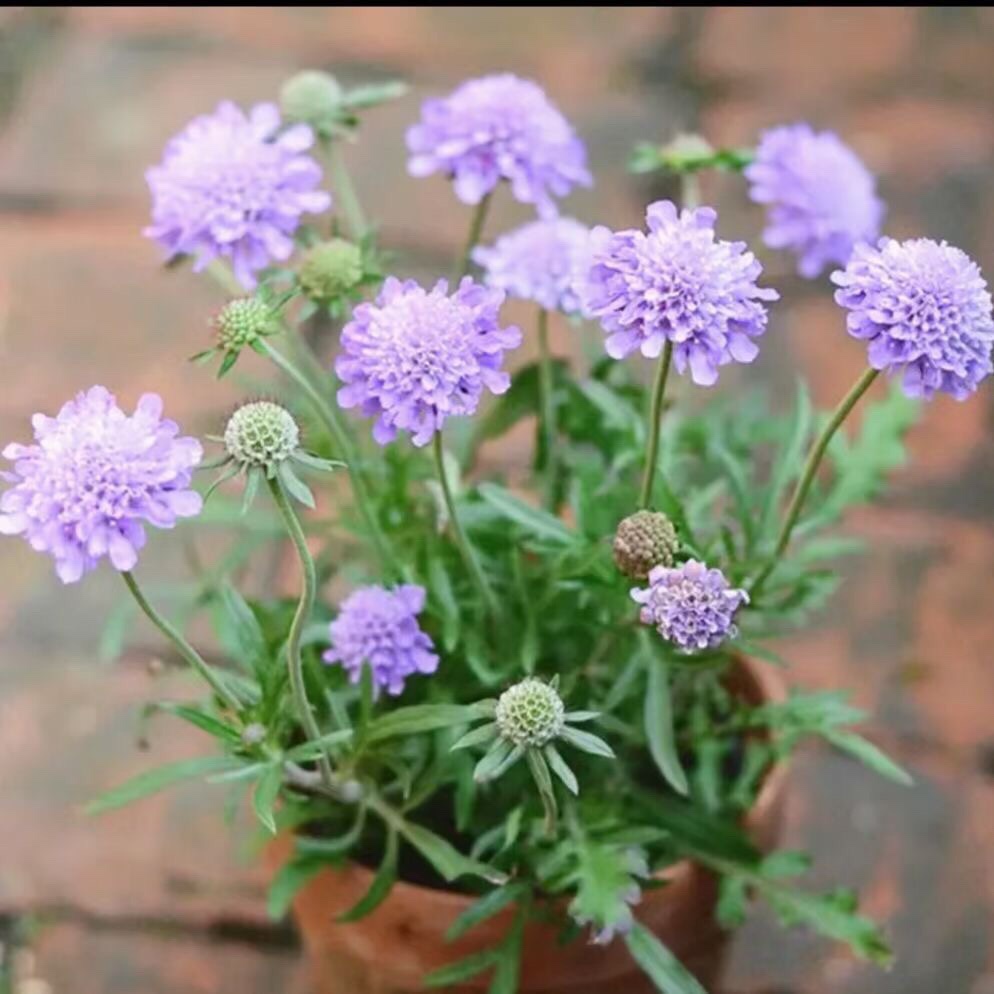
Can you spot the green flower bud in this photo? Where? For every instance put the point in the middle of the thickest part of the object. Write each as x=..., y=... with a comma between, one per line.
x=242, y=322
x=261, y=435
x=254, y=734
x=311, y=97
x=531, y=713
x=330, y=270
x=643, y=540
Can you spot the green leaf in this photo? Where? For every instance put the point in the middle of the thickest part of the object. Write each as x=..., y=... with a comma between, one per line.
x=659, y=725
x=243, y=628
x=153, y=781
x=195, y=716
x=484, y=908
x=668, y=974
x=493, y=760
x=478, y=736
x=788, y=464
x=421, y=718
x=508, y=970
x=543, y=780
x=383, y=881
x=470, y=966
x=308, y=751
x=229, y=360
x=267, y=790
x=593, y=744
x=442, y=855
x=605, y=878
x=441, y=591
x=295, y=486
x=868, y=754
x=371, y=94
x=253, y=479
x=561, y=769
x=291, y=878
x=533, y=520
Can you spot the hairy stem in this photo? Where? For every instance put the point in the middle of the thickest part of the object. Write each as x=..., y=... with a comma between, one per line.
x=655, y=422
x=342, y=181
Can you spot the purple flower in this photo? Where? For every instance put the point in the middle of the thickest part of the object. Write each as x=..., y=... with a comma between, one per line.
x=676, y=283
x=690, y=605
x=821, y=200
x=499, y=127
x=379, y=628
x=94, y=477
x=416, y=356
x=924, y=309
x=230, y=185
x=539, y=261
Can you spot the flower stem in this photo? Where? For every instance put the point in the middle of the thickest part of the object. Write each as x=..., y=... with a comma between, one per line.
x=465, y=548
x=305, y=607
x=181, y=644
x=475, y=230
x=655, y=420
x=342, y=182
x=332, y=420
x=221, y=273
x=547, y=408
x=810, y=470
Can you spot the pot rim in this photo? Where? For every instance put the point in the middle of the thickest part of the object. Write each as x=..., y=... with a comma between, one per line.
x=771, y=686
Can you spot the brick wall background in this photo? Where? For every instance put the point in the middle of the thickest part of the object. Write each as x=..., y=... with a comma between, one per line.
x=158, y=899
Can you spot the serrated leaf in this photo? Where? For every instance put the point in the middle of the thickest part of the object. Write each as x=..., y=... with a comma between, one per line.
x=381, y=885
x=668, y=974
x=152, y=781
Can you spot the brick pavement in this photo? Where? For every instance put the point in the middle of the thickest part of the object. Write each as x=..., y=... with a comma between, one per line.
x=160, y=898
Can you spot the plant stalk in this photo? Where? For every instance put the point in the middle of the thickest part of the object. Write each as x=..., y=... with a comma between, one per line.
x=475, y=230
x=547, y=408
x=655, y=423
x=341, y=179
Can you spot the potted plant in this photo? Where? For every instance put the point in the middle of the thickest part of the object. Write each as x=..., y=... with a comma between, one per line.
x=517, y=733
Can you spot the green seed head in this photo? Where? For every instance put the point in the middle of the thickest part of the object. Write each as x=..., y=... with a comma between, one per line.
x=643, y=540
x=311, y=97
x=330, y=270
x=242, y=322
x=530, y=713
x=261, y=435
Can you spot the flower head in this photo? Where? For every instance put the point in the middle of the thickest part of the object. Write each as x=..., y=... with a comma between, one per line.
x=499, y=127
x=924, y=309
x=676, y=283
x=531, y=713
x=416, y=356
x=379, y=628
x=314, y=98
x=821, y=200
x=243, y=321
x=260, y=435
x=691, y=605
x=232, y=185
x=94, y=477
x=539, y=261
x=643, y=540
x=331, y=270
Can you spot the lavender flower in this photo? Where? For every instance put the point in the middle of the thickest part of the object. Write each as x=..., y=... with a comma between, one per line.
x=924, y=309
x=678, y=283
x=499, y=127
x=94, y=477
x=379, y=628
x=821, y=200
x=416, y=356
x=690, y=605
x=230, y=185
x=539, y=261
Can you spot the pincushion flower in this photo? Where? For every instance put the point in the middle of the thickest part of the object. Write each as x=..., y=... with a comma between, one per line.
x=690, y=605
x=538, y=261
x=416, y=357
x=821, y=200
x=677, y=283
x=924, y=310
x=94, y=477
x=232, y=185
x=379, y=628
x=495, y=128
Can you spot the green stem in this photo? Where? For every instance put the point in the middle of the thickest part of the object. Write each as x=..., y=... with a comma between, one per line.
x=182, y=646
x=342, y=181
x=332, y=420
x=690, y=190
x=655, y=421
x=547, y=409
x=305, y=607
x=221, y=273
x=475, y=230
x=465, y=548
x=809, y=472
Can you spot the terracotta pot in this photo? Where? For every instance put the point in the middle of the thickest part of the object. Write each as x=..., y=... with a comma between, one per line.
x=391, y=950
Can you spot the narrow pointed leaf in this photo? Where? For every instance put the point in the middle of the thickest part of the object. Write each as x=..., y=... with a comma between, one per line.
x=668, y=974
x=267, y=790
x=492, y=760
x=559, y=766
x=152, y=781
x=659, y=725
x=478, y=736
x=593, y=744
x=383, y=881
x=290, y=879
x=295, y=486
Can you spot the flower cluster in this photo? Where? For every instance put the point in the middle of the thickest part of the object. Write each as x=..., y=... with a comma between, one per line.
x=677, y=283
x=417, y=357
x=820, y=198
x=540, y=261
x=232, y=185
x=94, y=477
x=691, y=605
x=499, y=128
x=925, y=312
x=379, y=628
